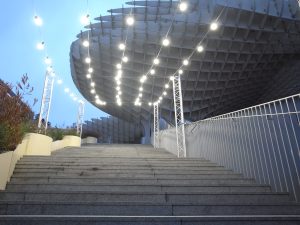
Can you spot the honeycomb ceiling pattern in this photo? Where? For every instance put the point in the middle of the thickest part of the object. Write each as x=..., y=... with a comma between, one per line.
x=255, y=39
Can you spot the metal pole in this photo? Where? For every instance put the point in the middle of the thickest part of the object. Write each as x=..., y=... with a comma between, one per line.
x=179, y=118
x=46, y=102
x=80, y=118
x=156, y=126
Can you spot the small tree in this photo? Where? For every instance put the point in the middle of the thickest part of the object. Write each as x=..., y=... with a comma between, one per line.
x=15, y=113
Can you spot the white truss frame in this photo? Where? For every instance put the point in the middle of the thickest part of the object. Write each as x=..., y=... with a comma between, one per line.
x=80, y=115
x=179, y=118
x=156, y=126
x=46, y=102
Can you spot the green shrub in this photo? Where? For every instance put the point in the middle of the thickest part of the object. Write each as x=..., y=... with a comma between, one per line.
x=58, y=133
x=15, y=114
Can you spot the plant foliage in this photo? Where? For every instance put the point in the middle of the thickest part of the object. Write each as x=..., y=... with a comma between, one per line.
x=15, y=114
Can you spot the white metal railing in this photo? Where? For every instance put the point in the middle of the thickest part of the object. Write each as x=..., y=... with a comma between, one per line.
x=261, y=141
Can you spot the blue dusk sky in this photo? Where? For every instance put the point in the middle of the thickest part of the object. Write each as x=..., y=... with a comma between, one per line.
x=61, y=24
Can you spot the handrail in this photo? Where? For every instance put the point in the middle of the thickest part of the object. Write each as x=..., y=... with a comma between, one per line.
x=261, y=141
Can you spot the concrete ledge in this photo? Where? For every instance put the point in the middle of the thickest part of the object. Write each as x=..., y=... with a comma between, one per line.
x=89, y=140
x=72, y=141
x=5, y=160
x=38, y=144
x=57, y=145
x=32, y=144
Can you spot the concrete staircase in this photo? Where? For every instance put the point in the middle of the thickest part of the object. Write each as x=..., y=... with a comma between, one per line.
x=135, y=184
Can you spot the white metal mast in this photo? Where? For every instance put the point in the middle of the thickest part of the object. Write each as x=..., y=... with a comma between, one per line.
x=46, y=102
x=156, y=126
x=80, y=118
x=179, y=118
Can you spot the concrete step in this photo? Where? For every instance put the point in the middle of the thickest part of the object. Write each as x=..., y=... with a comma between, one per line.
x=127, y=175
x=117, y=164
x=155, y=197
x=144, y=208
x=150, y=220
x=113, y=158
x=100, y=167
x=96, y=170
x=130, y=180
x=138, y=188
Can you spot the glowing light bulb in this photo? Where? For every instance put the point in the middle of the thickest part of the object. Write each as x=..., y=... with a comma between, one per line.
x=140, y=94
x=160, y=98
x=48, y=61
x=86, y=43
x=85, y=19
x=96, y=96
x=180, y=71
x=88, y=76
x=156, y=61
x=122, y=46
x=119, y=73
x=93, y=84
x=130, y=20
x=143, y=79
x=166, y=42
x=141, y=89
x=171, y=77
x=213, y=26
x=183, y=6
x=49, y=69
x=166, y=86
x=59, y=81
x=38, y=21
x=90, y=70
x=40, y=45
x=164, y=93
x=125, y=59
x=88, y=60
x=93, y=91
x=200, y=48
x=119, y=82
x=150, y=103
x=152, y=71
x=118, y=88
x=119, y=66
x=98, y=102
x=119, y=92
x=185, y=62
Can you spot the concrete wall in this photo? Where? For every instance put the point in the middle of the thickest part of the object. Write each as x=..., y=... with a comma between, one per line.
x=89, y=140
x=38, y=144
x=32, y=144
x=72, y=141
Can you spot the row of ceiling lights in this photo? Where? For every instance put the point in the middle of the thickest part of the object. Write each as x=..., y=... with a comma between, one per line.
x=182, y=6
x=48, y=61
x=85, y=20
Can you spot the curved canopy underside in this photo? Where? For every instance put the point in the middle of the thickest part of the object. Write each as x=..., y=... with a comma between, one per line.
x=256, y=46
